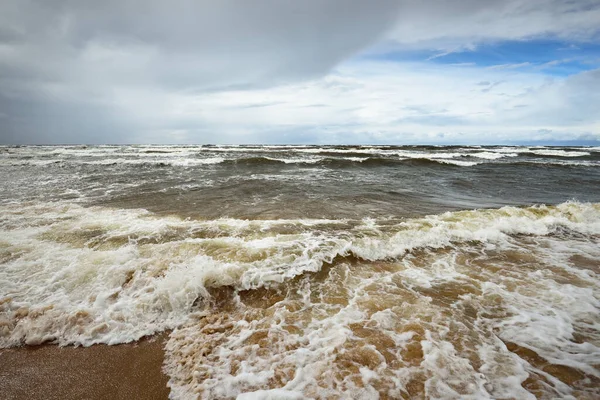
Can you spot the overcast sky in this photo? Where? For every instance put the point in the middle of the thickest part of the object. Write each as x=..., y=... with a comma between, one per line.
x=310, y=71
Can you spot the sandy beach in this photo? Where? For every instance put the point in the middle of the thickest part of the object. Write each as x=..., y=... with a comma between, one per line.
x=126, y=371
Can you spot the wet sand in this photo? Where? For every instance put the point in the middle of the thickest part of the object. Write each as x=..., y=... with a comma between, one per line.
x=127, y=371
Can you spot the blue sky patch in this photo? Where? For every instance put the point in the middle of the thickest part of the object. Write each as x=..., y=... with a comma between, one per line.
x=546, y=56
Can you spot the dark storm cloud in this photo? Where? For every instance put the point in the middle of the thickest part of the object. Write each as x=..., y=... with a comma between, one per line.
x=62, y=53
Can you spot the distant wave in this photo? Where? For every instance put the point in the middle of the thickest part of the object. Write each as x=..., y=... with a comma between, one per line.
x=340, y=156
x=559, y=153
x=157, y=162
x=558, y=163
x=465, y=160
x=341, y=162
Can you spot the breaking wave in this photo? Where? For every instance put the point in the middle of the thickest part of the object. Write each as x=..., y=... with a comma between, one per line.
x=76, y=275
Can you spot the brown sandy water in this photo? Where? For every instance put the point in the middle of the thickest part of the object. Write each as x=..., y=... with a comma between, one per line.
x=371, y=330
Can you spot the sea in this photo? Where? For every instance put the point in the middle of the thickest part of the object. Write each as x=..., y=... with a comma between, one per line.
x=324, y=272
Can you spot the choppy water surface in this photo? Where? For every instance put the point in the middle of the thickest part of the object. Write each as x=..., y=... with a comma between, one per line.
x=314, y=272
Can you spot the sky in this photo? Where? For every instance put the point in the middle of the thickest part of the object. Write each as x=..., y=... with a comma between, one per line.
x=310, y=71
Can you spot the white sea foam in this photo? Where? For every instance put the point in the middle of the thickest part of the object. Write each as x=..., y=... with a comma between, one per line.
x=566, y=163
x=296, y=160
x=144, y=160
x=358, y=348
x=131, y=273
x=491, y=155
x=460, y=163
x=559, y=153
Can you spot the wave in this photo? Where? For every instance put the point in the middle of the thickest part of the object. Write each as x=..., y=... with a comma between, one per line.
x=160, y=162
x=191, y=156
x=559, y=153
x=385, y=161
x=76, y=275
x=271, y=161
x=491, y=155
x=557, y=163
x=340, y=162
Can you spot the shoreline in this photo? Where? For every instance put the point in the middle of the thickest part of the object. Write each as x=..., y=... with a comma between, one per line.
x=123, y=371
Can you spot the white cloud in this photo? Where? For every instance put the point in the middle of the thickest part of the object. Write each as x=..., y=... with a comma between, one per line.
x=449, y=25
x=387, y=102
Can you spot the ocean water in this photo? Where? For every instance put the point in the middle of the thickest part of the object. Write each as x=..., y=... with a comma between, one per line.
x=326, y=272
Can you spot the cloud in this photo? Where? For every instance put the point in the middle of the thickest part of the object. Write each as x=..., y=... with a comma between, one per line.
x=561, y=103
x=450, y=26
x=95, y=54
x=510, y=66
x=367, y=102
x=278, y=71
x=205, y=45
